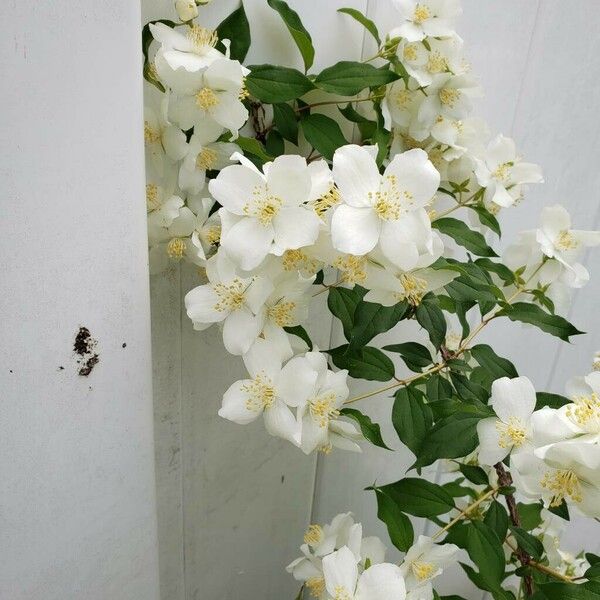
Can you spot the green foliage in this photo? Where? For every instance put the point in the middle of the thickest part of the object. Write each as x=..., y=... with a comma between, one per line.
x=348, y=78
x=365, y=126
x=530, y=515
x=412, y=418
x=300, y=332
x=253, y=147
x=370, y=430
x=371, y=319
x=463, y=235
x=474, y=474
x=496, y=519
x=236, y=29
x=277, y=84
x=399, y=527
x=430, y=316
x=415, y=355
x=551, y=400
x=589, y=590
x=286, y=121
x=485, y=550
x=527, y=542
x=534, y=315
x=342, y=304
x=494, y=364
x=419, y=497
x=364, y=21
x=323, y=134
x=363, y=363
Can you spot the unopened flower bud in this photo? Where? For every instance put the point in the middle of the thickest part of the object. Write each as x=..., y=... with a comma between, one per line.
x=596, y=362
x=186, y=9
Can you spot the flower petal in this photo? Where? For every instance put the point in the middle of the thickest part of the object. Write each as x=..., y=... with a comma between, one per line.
x=240, y=330
x=513, y=398
x=247, y=243
x=356, y=175
x=381, y=582
x=354, y=230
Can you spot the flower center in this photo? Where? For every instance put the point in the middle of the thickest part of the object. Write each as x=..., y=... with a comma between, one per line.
x=449, y=96
x=422, y=570
x=341, y=593
x=422, y=13
x=151, y=135
x=316, y=586
x=206, y=99
x=176, y=248
x=152, y=199
x=261, y=393
x=585, y=410
x=436, y=63
x=282, y=314
x=413, y=289
x=202, y=39
x=297, y=260
x=502, y=172
x=263, y=207
x=563, y=484
x=403, y=98
x=326, y=201
x=323, y=408
x=512, y=433
x=206, y=159
x=230, y=297
x=566, y=241
x=388, y=200
x=213, y=235
x=314, y=535
x=410, y=52
x=352, y=268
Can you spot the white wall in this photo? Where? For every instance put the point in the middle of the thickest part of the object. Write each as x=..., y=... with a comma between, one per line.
x=77, y=506
x=232, y=501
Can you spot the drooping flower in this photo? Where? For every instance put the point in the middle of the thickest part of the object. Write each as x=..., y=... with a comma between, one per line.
x=378, y=582
x=265, y=212
x=502, y=173
x=374, y=206
x=426, y=18
x=513, y=401
x=236, y=301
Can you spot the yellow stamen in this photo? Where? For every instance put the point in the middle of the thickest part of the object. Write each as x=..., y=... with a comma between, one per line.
x=389, y=202
x=176, y=248
x=297, y=260
x=502, y=172
x=213, y=235
x=323, y=408
x=566, y=241
x=282, y=314
x=414, y=288
x=449, y=96
x=326, y=201
x=313, y=535
x=564, y=484
x=263, y=206
x=151, y=135
x=152, y=197
x=206, y=159
x=341, y=593
x=584, y=409
x=410, y=52
x=422, y=13
x=206, y=99
x=353, y=268
x=422, y=570
x=512, y=433
x=261, y=393
x=230, y=297
x=436, y=63
x=316, y=586
x=202, y=39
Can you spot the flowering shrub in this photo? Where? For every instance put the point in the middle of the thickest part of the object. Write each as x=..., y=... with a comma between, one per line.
x=249, y=181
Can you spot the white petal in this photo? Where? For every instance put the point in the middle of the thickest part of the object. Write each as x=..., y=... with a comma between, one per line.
x=354, y=230
x=234, y=186
x=341, y=571
x=296, y=382
x=295, y=227
x=381, y=582
x=230, y=112
x=280, y=422
x=356, y=175
x=289, y=179
x=200, y=305
x=247, y=242
x=513, y=398
x=313, y=436
x=490, y=451
x=235, y=405
x=240, y=330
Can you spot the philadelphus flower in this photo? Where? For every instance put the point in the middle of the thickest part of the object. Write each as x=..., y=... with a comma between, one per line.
x=374, y=206
x=343, y=582
x=320, y=541
x=513, y=401
x=584, y=412
x=160, y=138
x=426, y=18
x=502, y=173
x=207, y=232
x=265, y=212
x=235, y=301
x=424, y=561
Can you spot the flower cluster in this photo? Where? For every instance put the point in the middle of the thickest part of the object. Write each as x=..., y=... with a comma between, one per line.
x=264, y=194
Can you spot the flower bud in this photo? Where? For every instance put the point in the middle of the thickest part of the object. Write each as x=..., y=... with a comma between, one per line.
x=186, y=9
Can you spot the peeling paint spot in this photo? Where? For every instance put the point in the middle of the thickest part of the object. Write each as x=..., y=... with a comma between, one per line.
x=85, y=348
x=124, y=345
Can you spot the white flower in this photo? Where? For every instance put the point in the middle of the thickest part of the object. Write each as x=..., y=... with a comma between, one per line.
x=513, y=401
x=426, y=18
x=182, y=53
x=202, y=154
x=265, y=212
x=186, y=9
x=207, y=230
x=400, y=108
x=266, y=392
x=557, y=239
x=584, y=412
x=379, y=582
x=424, y=561
x=448, y=96
x=211, y=93
x=502, y=172
x=160, y=138
x=319, y=411
x=374, y=206
x=235, y=301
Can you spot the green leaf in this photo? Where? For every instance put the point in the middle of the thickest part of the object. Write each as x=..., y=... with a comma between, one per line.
x=487, y=218
x=399, y=527
x=474, y=474
x=590, y=590
x=530, y=515
x=286, y=121
x=497, y=519
x=496, y=365
x=323, y=134
x=363, y=363
x=342, y=304
x=236, y=29
x=370, y=430
x=297, y=31
x=485, y=550
x=551, y=400
x=534, y=315
x=562, y=510
x=300, y=332
x=371, y=319
x=527, y=542
x=415, y=355
x=364, y=21
x=274, y=144
x=438, y=388
x=468, y=390
x=463, y=235
x=252, y=146
x=348, y=78
x=273, y=84
x=365, y=126
x=507, y=276
x=419, y=497
x=452, y=437
x=430, y=316
x=411, y=417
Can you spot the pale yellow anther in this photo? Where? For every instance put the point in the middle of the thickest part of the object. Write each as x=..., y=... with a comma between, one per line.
x=206, y=99
x=202, y=39
x=512, y=433
x=176, y=248
x=151, y=135
x=449, y=96
x=585, y=410
x=422, y=570
x=314, y=535
x=410, y=52
x=298, y=260
x=323, y=409
x=436, y=63
x=341, y=593
x=282, y=314
x=402, y=98
x=206, y=159
x=502, y=172
x=263, y=206
x=326, y=201
x=230, y=296
x=563, y=484
x=152, y=197
x=261, y=393
x=353, y=268
x=566, y=241
x=422, y=13
x=213, y=235
x=316, y=586
x=413, y=289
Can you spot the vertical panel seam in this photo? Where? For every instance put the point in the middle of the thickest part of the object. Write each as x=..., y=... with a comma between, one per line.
x=181, y=437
